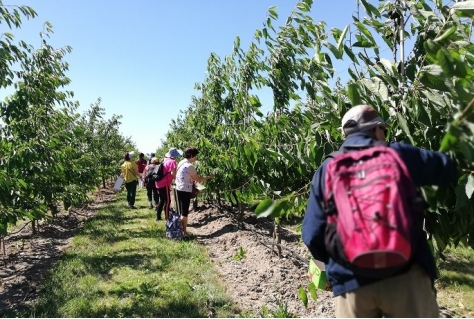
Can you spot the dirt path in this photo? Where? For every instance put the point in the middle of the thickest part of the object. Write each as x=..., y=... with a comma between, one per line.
x=261, y=278
x=29, y=256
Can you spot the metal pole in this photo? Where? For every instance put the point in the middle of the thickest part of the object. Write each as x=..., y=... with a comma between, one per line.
x=402, y=41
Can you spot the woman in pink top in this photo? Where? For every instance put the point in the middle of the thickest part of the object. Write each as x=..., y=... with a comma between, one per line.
x=164, y=185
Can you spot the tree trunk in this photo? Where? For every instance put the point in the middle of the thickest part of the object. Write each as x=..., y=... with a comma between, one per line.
x=276, y=237
x=241, y=217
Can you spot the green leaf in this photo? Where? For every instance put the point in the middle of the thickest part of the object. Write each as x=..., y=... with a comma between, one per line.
x=434, y=97
x=312, y=291
x=272, y=11
x=446, y=34
x=350, y=54
x=444, y=62
x=364, y=43
x=462, y=200
x=303, y=296
x=450, y=139
x=444, y=222
x=370, y=9
x=388, y=65
x=470, y=186
x=342, y=38
x=354, y=95
x=439, y=242
x=22, y=183
x=465, y=8
x=424, y=116
x=270, y=208
x=263, y=206
x=463, y=90
x=432, y=69
x=254, y=100
x=431, y=46
x=280, y=208
x=288, y=157
x=303, y=7
x=432, y=76
x=381, y=88
x=334, y=50
x=460, y=69
x=404, y=126
x=363, y=29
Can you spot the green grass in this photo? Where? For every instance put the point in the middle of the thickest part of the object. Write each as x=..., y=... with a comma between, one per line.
x=121, y=265
x=456, y=284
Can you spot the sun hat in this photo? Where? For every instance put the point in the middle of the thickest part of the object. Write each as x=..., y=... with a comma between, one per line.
x=361, y=118
x=174, y=153
x=154, y=160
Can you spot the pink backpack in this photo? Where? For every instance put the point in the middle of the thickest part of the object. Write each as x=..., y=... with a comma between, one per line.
x=369, y=200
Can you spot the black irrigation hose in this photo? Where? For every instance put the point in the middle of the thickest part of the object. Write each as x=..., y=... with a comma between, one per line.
x=19, y=230
x=303, y=260
x=77, y=213
x=3, y=238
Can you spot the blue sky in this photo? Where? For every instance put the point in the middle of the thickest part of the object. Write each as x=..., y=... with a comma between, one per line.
x=143, y=57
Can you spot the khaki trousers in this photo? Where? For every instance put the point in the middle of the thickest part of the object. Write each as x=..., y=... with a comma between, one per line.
x=407, y=295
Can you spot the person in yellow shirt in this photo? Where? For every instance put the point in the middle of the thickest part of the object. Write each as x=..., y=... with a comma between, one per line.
x=130, y=176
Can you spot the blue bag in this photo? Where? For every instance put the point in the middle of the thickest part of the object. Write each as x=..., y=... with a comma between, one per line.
x=174, y=228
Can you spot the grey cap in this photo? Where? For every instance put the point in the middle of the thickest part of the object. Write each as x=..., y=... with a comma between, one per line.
x=361, y=118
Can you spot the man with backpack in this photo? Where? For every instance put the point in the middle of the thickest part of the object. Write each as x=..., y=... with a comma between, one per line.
x=364, y=220
x=151, y=190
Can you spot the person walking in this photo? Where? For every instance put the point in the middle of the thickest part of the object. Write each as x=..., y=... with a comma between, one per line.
x=186, y=175
x=164, y=185
x=408, y=292
x=130, y=175
x=141, y=164
x=151, y=157
x=151, y=190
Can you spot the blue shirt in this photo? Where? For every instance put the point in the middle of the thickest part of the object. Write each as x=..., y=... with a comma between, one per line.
x=425, y=167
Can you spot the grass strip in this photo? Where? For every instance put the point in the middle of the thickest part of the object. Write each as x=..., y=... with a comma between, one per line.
x=122, y=265
x=456, y=283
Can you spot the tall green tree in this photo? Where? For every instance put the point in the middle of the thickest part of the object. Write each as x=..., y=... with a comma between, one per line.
x=412, y=60
x=49, y=153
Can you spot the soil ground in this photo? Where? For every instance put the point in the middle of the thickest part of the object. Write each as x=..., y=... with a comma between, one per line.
x=26, y=257
x=261, y=278
x=255, y=277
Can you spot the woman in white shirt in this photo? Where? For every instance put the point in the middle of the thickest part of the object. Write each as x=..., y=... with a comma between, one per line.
x=186, y=175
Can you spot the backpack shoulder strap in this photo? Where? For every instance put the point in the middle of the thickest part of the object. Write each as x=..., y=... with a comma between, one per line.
x=380, y=143
x=150, y=169
x=334, y=154
x=356, y=147
x=347, y=148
